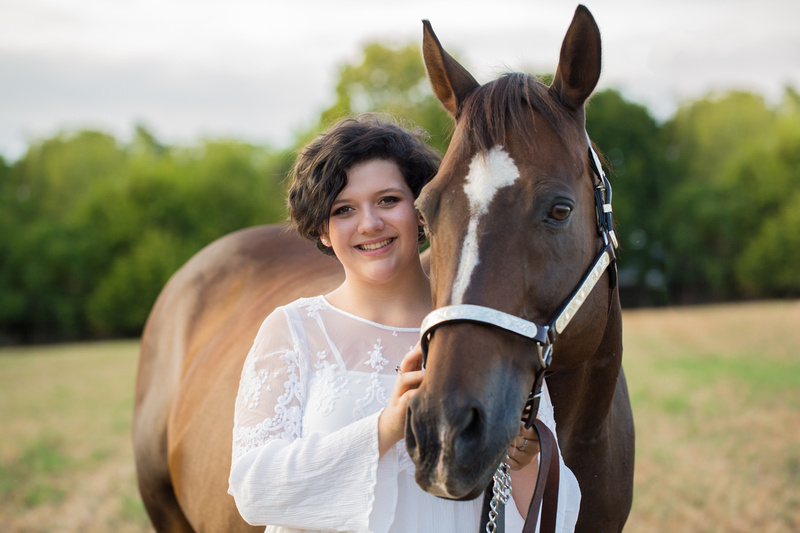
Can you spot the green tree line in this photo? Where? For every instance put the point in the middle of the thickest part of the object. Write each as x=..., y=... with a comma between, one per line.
x=91, y=228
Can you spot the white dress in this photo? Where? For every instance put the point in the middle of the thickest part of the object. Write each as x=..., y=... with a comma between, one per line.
x=305, y=436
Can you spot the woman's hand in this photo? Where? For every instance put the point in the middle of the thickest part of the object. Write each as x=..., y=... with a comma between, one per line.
x=523, y=449
x=392, y=422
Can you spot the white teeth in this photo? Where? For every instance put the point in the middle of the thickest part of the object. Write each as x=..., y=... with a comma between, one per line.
x=375, y=246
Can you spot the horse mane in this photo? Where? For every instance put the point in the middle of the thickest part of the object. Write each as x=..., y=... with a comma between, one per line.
x=506, y=106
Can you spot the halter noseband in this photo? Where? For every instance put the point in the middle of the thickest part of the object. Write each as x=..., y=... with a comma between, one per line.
x=542, y=336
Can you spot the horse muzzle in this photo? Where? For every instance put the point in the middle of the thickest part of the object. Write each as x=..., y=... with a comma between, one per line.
x=450, y=448
x=462, y=419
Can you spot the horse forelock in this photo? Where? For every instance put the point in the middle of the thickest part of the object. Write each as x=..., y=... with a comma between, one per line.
x=506, y=107
x=492, y=115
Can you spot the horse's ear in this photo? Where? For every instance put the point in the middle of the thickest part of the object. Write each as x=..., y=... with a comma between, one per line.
x=579, y=64
x=450, y=81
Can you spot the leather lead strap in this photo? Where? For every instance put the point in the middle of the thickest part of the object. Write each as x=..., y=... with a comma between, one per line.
x=546, y=493
x=550, y=499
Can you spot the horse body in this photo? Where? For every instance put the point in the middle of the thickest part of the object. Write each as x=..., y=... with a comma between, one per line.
x=512, y=225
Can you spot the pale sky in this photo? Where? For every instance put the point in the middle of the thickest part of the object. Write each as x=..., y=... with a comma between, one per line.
x=260, y=70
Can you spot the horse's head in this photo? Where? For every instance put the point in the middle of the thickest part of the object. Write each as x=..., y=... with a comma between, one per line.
x=513, y=226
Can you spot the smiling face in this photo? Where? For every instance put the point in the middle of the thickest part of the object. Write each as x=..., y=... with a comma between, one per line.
x=373, y=225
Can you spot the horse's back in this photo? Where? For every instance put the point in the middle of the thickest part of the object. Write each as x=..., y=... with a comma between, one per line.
x=193, y=349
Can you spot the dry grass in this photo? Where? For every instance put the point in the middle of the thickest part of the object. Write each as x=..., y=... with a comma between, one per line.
x=66, y=461
x=715, y=396
x=715, y=390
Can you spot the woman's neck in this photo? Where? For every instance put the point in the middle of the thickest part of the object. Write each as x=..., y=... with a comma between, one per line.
x=403, y=303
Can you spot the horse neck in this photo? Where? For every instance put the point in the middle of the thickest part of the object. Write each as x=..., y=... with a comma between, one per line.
x=582, y=396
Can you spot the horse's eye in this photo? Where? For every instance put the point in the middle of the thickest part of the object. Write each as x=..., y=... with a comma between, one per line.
x=560, y=212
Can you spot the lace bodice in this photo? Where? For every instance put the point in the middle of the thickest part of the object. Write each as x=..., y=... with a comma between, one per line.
x=315, y=368
x=305, y=444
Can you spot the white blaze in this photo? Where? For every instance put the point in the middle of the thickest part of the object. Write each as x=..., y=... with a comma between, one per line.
x=439, y=486
x=488, y=173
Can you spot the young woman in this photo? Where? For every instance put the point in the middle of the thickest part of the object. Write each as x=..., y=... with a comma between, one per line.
x=320, y=414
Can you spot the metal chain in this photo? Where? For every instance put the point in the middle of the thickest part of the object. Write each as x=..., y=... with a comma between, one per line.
x=501, y=493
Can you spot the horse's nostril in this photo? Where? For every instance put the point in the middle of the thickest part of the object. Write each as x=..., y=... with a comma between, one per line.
x=473, y=425
x=468, y=439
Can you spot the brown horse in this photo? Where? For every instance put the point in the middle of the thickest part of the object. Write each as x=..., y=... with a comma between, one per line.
x=517, y=216
x=202, y=326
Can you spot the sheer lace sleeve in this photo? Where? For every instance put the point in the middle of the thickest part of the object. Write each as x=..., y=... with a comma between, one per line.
x=281, y=477
x=271, y=394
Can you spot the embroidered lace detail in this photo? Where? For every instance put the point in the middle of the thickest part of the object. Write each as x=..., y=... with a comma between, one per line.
x=376, y=359
x=313, y=306
x=288, y=409
x=330, y=383
x=251, y=385
x=376, y=394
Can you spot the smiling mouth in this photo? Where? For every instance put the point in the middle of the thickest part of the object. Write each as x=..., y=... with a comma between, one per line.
x=376, y=245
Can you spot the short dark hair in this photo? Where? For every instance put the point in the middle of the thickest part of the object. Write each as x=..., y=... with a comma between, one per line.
x=320, y=172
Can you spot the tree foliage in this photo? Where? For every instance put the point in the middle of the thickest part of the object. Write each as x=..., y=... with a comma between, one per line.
x=393, y=81
x=629, y=137
x=92, y=228
x=735, y=169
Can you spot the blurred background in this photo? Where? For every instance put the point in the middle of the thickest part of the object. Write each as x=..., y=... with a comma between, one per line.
x=134, y=133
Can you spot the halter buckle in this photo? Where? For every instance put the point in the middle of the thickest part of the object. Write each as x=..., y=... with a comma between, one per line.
x=545, y=352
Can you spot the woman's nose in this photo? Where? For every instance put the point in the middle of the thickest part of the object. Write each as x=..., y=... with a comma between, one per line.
x=370, y=222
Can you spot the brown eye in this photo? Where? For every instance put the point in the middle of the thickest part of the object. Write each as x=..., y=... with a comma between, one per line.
x=560, y=212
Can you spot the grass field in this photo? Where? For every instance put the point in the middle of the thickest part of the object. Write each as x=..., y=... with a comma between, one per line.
x=715, y=391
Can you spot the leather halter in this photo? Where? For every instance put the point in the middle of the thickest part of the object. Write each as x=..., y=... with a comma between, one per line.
x=546, y=492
